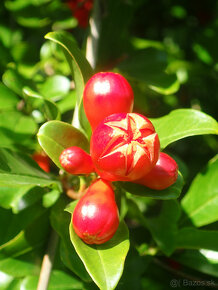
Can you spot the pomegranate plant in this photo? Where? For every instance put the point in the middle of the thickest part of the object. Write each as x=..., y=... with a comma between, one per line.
x=120, y=197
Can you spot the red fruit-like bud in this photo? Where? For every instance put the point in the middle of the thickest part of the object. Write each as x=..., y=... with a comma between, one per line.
x=163, y=174
x=124, y=147
x=76, y=161
x=42, y=160
x=95, y=217
x=106, y=93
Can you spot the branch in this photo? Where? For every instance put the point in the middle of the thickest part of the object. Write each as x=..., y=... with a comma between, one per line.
x=47, y=262
x=92, y=40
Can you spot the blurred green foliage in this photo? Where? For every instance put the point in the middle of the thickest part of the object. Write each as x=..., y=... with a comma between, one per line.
x=168, y=50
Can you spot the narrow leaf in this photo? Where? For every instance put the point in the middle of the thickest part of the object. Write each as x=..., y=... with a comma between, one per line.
x=81, y=70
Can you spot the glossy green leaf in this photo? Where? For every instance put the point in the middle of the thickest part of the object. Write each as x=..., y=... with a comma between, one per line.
x=55, y=87
x=55, y=136
x=81, y=70
x=60, y=222
x=205, y=261
x=164, y=226
x=201, y=201
x=48, y=107
x=171, y=192
x=18, y=169
x=104, y=262
x=8, y=100
x=183, y=123
x=192, y=238
x=149, y=66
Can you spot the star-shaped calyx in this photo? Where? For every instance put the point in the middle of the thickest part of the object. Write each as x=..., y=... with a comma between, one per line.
x=124, y=146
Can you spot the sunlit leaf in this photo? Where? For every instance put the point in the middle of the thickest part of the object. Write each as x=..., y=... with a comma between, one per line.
x=104, y=262
x=81, y=70
x=201, y=201
x=183, y=123
x=55, y=136
x=48, y=107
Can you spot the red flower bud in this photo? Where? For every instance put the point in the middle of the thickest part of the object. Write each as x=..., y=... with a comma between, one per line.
x=124, y=147
x=42, y=160
x=95, y=217
x=106, y=93
x=163, y=174
x=76, y=161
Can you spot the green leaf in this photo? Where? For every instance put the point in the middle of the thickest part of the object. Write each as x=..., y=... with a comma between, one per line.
x=149, y=66
x=58, y=280
x=27, y=264
x=182, y=123
x=13, y=80
x=171, y=192
x=49, y=108
x=81, y=70
x=68, y=102
x=60, y=222
x=18, y=129
x=32, y=237
x=201, y=201
x=192, y=238
x=164, y=227
x=15, y=223
x=61, y=280
x=8, y=100
x=203, y=260
x=18, y=169
x=104, y=262
x=19, y=198
x=55, y=87
x=55, y=136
